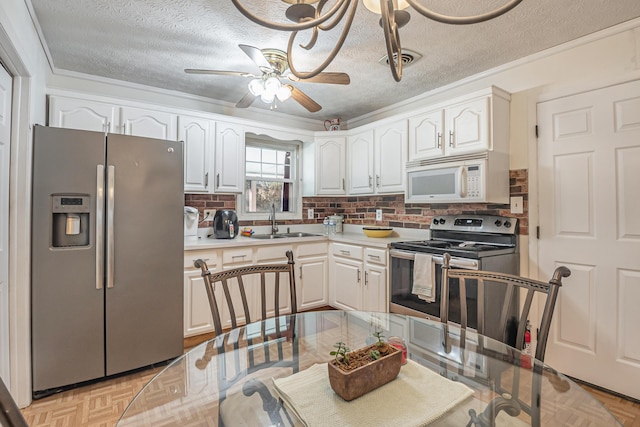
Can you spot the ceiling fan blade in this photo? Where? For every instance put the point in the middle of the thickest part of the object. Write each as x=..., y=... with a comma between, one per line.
x=329, y=77
x=256, y=56
x=304, y=100
x=246, y=100
x=218, y=72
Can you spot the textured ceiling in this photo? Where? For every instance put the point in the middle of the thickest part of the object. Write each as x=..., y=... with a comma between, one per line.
x=151, y=41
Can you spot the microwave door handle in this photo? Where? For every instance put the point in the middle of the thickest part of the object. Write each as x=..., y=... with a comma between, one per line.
x=462, y=180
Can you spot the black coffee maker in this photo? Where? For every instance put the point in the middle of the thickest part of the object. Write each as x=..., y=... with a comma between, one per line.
x=225, y=224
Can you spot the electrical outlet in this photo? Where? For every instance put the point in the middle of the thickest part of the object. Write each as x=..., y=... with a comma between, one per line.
x=208, y=215
x=378, y=214
x=516, y=205
x=309, y=213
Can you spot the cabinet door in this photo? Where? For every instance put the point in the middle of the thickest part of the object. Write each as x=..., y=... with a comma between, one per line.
x=330, y=165
x=375, y=289
x=195, y=132
x=148, y=123
x=360, y=158
x=229, y=158
x=346, y=284
x=197, y=312
x=312, y=283
x=468, y=126
x=425, y=135
x=391, y=156
x=273, y=254
x=80, y=114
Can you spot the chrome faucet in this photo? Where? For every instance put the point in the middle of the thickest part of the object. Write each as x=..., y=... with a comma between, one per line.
x=274, y=225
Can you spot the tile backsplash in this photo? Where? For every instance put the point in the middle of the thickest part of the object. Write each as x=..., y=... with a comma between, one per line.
x=362, y=209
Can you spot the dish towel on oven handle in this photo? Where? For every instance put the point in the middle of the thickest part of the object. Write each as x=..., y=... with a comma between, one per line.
x=423, y=280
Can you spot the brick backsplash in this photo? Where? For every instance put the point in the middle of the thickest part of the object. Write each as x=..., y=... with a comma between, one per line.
x=396, y=213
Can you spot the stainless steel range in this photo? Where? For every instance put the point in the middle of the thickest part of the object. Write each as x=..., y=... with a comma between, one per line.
x=475, y=242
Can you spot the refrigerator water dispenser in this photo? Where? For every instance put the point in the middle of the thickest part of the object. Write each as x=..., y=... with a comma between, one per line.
x=70, y=220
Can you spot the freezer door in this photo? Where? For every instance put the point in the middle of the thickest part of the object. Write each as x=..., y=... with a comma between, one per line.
x=144, y=250
x=67, y=301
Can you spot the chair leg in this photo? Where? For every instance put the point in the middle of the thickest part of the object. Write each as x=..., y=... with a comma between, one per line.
x=488, y=417
x=270, y=404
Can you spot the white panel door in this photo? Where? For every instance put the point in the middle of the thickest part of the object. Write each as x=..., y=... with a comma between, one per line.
x=71, y=113
x=229, y=158
x=391, y=156
x=360, y=158
x=148, y=123
x=196, y=134
x=589, y=209
x=330, y=165
x=425, y=135
x=5, y=139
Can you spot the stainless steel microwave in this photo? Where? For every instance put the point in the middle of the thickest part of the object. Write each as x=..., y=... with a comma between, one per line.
x=461, y=179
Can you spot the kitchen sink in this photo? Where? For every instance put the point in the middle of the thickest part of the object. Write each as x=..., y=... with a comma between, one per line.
x=283, y=235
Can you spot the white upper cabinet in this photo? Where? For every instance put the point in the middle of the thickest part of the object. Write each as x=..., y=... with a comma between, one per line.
x=229, y=158
x=196, y=134
x=479, y=122
x=390, y=157
x=360, y=155
x=148, y=123
x=377, y=159
x=468, y=127
x=425, y=135
x=330, y=165
x=72, y=113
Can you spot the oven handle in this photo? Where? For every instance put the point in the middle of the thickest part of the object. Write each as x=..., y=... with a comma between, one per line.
x=455, y=262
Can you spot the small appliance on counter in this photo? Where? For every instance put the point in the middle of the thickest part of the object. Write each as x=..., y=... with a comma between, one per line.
x=191, y=217
x=225, y=224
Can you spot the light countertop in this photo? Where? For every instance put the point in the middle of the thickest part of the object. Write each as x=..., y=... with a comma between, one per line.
x=351, y=234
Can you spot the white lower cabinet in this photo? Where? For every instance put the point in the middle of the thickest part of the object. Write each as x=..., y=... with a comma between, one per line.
x=358, y=278
x=311, y=269
x=197, y=312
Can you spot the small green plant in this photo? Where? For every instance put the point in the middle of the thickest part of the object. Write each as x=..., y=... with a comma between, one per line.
x=375, y=354
x=379, y=336
x=341, y=352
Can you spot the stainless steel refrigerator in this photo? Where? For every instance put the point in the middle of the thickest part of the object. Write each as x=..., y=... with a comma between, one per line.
x=107, y=254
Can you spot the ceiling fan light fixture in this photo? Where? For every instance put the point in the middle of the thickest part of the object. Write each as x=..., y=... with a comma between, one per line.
x=283, y=93
x=374, y=5
x=267, y=98
x=271, y=85
x=256, y=87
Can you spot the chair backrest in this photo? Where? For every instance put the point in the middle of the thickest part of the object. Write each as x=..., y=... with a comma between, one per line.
x=512, y=284
x=232, y=280
x=10, y=415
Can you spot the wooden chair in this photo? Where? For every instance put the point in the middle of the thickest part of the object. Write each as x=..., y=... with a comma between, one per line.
x=511, y=284
x=265, y=348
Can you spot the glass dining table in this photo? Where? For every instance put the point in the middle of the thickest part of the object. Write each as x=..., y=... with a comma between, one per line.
x=273, y=373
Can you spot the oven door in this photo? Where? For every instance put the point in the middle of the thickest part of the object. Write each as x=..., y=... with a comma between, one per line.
x=403, y=301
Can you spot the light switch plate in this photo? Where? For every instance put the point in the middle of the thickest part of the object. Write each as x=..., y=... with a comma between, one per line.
x=309, y=213
x=378, y=214
x=210, y=213
x=517, y=205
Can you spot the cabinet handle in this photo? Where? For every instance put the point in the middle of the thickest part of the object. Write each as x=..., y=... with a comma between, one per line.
x=206, y=180
x=358, y=275
x=238, y=256
x=301, y=273
x=343, y=183
x=366, y=278
x=450, y=138
x=378, y=181
x=217, y=181
x=370, y=180
x=439, y=139
x=374, y=257
x=343, y=252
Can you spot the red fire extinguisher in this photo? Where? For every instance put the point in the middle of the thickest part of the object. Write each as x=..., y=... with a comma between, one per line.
x=525, y=360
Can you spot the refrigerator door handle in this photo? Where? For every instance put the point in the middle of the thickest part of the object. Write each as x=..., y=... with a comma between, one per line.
x=111, y=178
x=100, y=227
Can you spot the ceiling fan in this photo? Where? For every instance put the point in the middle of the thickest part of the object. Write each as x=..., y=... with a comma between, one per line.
x=269, y=86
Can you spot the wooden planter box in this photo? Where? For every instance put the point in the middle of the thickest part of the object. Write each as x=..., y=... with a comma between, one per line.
x=352, y=384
